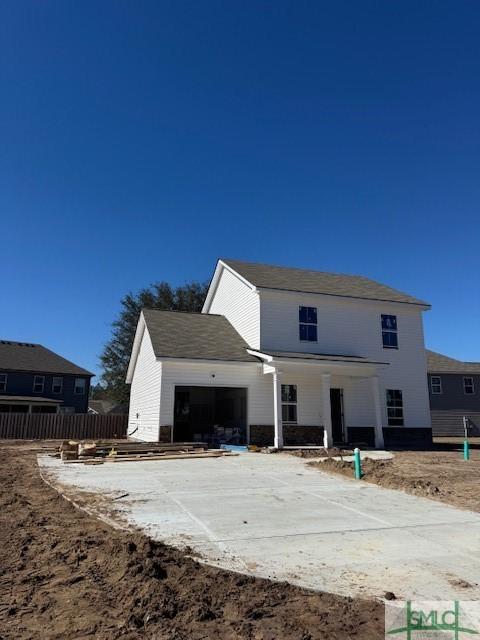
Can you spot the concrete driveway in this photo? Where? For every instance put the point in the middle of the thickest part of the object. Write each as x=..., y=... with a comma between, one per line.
x=273, y=516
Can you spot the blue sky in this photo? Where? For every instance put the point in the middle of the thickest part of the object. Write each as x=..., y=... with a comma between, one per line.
x=141, y=140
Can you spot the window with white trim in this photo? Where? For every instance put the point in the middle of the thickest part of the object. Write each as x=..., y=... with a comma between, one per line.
x=80, y=386
x=394, y=407
x=436, y=385
x=389, y=332
x=38, y=384
x=289, y=403
x=57, y=384
x=3, y=381
x=468, y=386
x=307, y=324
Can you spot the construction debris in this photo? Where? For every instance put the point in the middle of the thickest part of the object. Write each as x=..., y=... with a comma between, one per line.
x=100, y=452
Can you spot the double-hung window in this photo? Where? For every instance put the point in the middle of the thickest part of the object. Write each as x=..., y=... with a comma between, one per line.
x=307, y=319
x=57, y=384
x=389, y=332
x=80, y=385
x=38, y=384
x=395, y=407
x=468, y=386
x=436, y=385
x=289, y=403
x=3, y=381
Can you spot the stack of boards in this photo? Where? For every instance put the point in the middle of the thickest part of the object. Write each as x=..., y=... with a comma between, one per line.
x=72, y=451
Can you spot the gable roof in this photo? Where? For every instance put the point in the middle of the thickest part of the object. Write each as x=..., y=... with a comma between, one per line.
x=438, y=363
x=306, y=281
x=26, y=356
x=195, y=336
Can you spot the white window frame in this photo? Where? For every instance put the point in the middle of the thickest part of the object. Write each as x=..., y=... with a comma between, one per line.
x=436, y=384
x=389, y=331
x=38, y=380
x=84, y=387
x=307, y=324
x=393, y=406
x=3, y=381
x=290, y=403
x=471, y=385
x=58, y=385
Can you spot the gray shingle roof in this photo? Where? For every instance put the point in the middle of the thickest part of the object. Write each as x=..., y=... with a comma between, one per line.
x=196, y=336
x=438, y=363
x=305, y=281
x=25, y=356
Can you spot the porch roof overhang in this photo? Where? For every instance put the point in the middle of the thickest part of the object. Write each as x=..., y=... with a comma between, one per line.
x=324, y=362
x=28, y=400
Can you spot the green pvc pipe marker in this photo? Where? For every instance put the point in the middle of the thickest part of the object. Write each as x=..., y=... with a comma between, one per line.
x=466, y=450
x=357, y=463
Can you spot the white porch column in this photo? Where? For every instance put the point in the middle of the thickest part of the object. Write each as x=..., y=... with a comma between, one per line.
x=379, y=444
x=277, y=410
x=326, y=410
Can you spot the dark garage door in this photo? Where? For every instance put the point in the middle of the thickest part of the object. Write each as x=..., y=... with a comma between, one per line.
x=217, y=415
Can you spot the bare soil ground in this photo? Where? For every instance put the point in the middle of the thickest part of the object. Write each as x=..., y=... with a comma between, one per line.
x=319, y=453
x=442, y=475
x=65, y=575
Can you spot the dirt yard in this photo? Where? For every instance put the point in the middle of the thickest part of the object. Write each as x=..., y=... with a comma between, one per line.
x=442, y=475
x=65, y=575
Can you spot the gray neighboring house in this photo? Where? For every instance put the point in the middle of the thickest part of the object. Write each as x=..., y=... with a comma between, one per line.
x=34, y=379
x=454, y=388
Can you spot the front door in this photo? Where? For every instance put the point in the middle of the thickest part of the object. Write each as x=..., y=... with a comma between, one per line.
x=336, y=401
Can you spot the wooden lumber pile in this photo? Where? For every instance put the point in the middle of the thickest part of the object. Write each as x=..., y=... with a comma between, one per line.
x=114, y=452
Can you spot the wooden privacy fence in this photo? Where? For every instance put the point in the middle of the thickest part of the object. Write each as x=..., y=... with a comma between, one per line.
x=54, y=426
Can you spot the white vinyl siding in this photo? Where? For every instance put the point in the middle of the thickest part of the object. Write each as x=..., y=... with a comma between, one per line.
x=249, y=375
x=240, y=305
x=144, y=411
x=351, y=327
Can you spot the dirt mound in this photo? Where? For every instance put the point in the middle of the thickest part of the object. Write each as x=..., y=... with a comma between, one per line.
x=319, y=453
x=443, y=476
x=65, y=575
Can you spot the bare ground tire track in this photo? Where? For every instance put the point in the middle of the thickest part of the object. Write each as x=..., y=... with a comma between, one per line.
x=64, y=574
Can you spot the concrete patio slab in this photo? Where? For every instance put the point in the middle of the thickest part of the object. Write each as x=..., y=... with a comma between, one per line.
x=274, y=516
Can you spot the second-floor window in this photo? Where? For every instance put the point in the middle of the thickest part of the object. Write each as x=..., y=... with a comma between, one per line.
x=57, y=384
x=468, y=386
x=289, y=403
x=80, y=384
x=436, y=384
x=307, y=322
x=395, y=407
x=3, y=381
x=38, y=384
x=389, y=332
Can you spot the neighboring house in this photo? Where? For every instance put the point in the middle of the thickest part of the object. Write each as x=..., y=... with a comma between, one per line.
x=106, y=407
x=284, y=356
x=454, y=388
x=33, y=379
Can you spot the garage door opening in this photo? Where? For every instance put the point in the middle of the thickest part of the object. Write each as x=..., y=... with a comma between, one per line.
x=216, y=415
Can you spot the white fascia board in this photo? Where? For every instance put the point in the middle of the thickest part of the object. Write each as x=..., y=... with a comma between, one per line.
x=141, y=325
x=215, y=280
x=260, y=354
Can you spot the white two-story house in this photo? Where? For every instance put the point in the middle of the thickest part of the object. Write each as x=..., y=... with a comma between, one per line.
x=283, y=356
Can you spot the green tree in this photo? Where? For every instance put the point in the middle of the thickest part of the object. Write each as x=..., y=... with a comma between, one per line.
x=116, y=353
